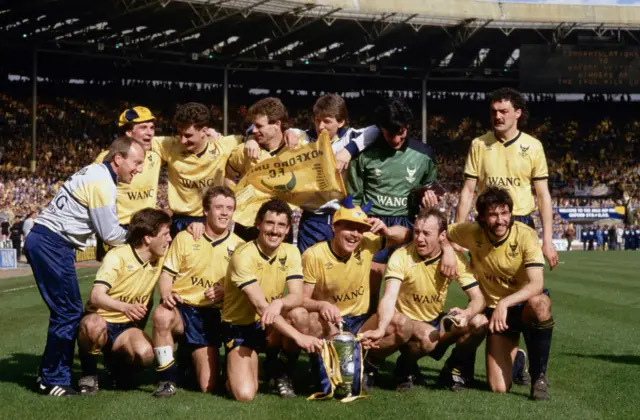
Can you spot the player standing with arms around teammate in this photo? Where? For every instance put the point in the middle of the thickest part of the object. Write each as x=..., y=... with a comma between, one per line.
x=390, y=173
x=139, y=124
x=508, y=158
x=84, y=205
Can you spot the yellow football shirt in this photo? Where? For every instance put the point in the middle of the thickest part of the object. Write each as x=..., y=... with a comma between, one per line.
x=128, y=279
x=512, y=165
x=250, y=265
x=424, y=289
x=241, y=163
x=191, y=174
x=199, y=265
x=142, y=191
x=499, y=265
x=344, y=282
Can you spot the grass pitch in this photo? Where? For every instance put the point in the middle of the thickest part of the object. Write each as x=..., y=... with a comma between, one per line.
x=594, y=368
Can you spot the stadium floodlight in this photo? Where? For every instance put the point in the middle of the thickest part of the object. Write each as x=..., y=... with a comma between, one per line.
x=24, y=35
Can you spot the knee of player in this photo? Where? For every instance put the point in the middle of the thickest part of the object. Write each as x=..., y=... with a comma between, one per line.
x=244, y=393
x=401, y=326
x=162, y=318
x=541, y=306
x=93, y=327
x=298, y=317
x=144, y=353
x=479, y=324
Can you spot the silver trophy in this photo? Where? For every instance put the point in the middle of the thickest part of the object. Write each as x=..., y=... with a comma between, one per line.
x=345, y=344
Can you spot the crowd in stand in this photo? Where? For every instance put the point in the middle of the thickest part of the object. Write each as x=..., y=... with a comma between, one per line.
x=591, y=145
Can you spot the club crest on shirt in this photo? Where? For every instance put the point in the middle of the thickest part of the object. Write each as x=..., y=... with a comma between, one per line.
x=524, y=150
x=411, y=172
x=130, y=267
x=283, y=261
x=213, y=151
x=514, y=250
x=377, y=172
x=328, y=266
x=196, y=247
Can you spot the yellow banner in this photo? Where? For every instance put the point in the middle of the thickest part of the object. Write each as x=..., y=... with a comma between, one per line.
x=305, y=177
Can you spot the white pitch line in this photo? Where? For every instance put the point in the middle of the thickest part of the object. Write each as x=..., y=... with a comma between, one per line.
x=33, y=285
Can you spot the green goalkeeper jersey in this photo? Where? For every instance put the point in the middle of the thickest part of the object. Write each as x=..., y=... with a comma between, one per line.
x=389, y=177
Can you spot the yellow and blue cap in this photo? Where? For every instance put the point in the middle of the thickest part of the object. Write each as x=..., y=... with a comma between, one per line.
x=136, y=114
x=352, y=213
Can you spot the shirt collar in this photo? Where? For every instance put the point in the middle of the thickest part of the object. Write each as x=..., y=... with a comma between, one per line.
x=114, y=177
x=219, y=241
x=199, y=155
x=510, y=142
x=263, y=255
x=335, y=255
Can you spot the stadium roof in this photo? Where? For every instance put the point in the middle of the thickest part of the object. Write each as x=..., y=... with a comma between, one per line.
x=458, y=43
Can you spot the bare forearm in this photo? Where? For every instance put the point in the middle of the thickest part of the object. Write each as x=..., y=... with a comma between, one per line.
x=464, y=205
x=311, y=305
x=386, y=309
x=165, y=284
x=397, y=235
x=107, y=303
x=475, y=306
x=546, y=213
x=522, y=295
x=292, y=300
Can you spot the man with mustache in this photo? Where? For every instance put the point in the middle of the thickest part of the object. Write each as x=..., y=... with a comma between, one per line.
x=256, y=314
x=509, y=158
x=192, y=291
x=509, y=264
x=84, y=205
x=118, y=305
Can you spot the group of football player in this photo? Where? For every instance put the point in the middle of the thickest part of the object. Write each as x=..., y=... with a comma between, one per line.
x=377, y=264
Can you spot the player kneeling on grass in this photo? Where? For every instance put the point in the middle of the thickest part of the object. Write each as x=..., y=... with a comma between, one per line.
x=508, y=261
x=337, y=285
x=117, y=309
x=256, y=314
x=192, y=290
x=415, y=288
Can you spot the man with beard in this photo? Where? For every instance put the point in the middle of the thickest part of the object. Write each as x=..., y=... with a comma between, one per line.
x=508, y=261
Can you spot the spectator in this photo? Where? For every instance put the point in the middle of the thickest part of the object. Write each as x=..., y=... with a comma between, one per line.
x=16, y=237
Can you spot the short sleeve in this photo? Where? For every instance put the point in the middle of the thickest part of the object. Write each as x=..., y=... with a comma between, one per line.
x=173, y=260
x=461, y=234
x=309, y=271
x=295, y=267
x=395, y=266
x=241, y=271
x=237, y=159
x=472, y=163
x=465, y=279
x=532, y=251
x=228, y=144
x=374, y=243
x=539, y=170
x=109, y=270
x=162, y=146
